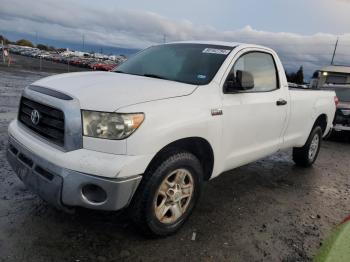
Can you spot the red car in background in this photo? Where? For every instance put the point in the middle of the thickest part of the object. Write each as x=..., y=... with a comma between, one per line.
x=102, y=66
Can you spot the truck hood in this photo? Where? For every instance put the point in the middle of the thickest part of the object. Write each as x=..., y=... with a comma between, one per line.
x=108, y=91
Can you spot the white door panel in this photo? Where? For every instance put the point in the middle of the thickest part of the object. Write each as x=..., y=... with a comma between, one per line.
x=253, y=121
x=253, y=126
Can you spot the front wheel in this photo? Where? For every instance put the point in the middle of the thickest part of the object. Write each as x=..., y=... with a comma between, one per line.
x=167, y=195
x=305, y=156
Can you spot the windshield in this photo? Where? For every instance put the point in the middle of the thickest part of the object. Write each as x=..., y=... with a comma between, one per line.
x=187, y=63
x=337, y=79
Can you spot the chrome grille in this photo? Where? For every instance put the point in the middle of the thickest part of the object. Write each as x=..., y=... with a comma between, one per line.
x=51, y=123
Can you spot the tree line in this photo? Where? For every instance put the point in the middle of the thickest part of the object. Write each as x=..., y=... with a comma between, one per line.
x=25, y=42
x=296, y=77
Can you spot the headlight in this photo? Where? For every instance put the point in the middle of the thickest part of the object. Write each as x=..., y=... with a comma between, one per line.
x=110, y=125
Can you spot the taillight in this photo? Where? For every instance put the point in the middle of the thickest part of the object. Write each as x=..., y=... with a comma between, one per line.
x=336, y=101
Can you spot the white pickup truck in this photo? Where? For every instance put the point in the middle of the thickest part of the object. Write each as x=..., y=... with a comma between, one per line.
x=147, y=135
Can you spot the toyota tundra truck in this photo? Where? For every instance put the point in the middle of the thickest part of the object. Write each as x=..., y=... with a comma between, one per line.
x=146, y=136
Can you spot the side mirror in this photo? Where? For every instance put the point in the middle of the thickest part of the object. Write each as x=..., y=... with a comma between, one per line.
x=243, y=80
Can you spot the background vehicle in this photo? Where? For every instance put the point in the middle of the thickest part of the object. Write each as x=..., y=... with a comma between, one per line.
x=331, y=75
x=148, y=134
x=93, y=61
x=342, y=117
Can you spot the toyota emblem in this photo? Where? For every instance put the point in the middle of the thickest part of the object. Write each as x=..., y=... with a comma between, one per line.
x=35, y=117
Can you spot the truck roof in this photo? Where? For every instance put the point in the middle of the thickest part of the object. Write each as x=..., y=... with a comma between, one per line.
x=220, y=43
x=336, y=69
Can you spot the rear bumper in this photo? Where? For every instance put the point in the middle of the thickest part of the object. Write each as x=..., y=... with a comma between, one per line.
x=63, y=187
x=339, y=127
x=342, y=120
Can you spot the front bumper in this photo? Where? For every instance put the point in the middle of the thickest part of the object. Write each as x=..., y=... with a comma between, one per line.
x=63, y=187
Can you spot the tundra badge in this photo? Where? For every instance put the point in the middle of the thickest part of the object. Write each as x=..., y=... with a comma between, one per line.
x=216, y=112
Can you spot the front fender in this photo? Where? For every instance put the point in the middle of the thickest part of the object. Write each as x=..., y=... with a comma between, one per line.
x=167, y=121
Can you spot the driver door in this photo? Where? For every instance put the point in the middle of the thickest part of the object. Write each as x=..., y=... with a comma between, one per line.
x=254, y=119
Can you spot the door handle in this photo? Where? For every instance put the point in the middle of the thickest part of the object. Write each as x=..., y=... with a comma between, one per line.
x=281, y=102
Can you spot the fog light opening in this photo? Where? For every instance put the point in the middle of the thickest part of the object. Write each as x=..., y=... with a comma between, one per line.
x=94, y=194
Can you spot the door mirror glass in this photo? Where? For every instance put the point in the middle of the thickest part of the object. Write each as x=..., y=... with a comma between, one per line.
x=230, y=83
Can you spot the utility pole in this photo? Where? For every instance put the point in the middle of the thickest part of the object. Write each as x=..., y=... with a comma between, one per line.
x=3, y=52
x=36, y=37
x=335, y=50
x=83, y=42
x=164, y=38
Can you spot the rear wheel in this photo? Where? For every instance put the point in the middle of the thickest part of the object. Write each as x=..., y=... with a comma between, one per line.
x=167, y=195
x=305, y=156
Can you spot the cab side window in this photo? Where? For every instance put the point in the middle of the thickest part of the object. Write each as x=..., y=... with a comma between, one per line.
x=263, y=69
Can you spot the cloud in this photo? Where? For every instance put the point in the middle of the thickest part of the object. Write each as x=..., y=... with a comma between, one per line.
x=126, y=28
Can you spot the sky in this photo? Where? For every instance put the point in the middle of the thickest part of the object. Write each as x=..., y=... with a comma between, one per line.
x=303, y=32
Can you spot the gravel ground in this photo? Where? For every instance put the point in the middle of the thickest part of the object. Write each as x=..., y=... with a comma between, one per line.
x=269, y=210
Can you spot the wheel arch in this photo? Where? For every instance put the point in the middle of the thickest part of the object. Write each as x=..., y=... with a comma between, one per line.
x=198, y=146
x=321, y=121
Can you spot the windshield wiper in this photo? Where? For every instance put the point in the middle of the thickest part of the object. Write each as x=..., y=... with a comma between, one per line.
x=155, y=76
x=147, y=75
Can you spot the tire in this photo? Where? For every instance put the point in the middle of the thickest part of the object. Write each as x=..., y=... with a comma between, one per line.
x=305, y=156
x=182, y=169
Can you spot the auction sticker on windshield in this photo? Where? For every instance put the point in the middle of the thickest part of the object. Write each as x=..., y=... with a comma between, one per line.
x=216, y=51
